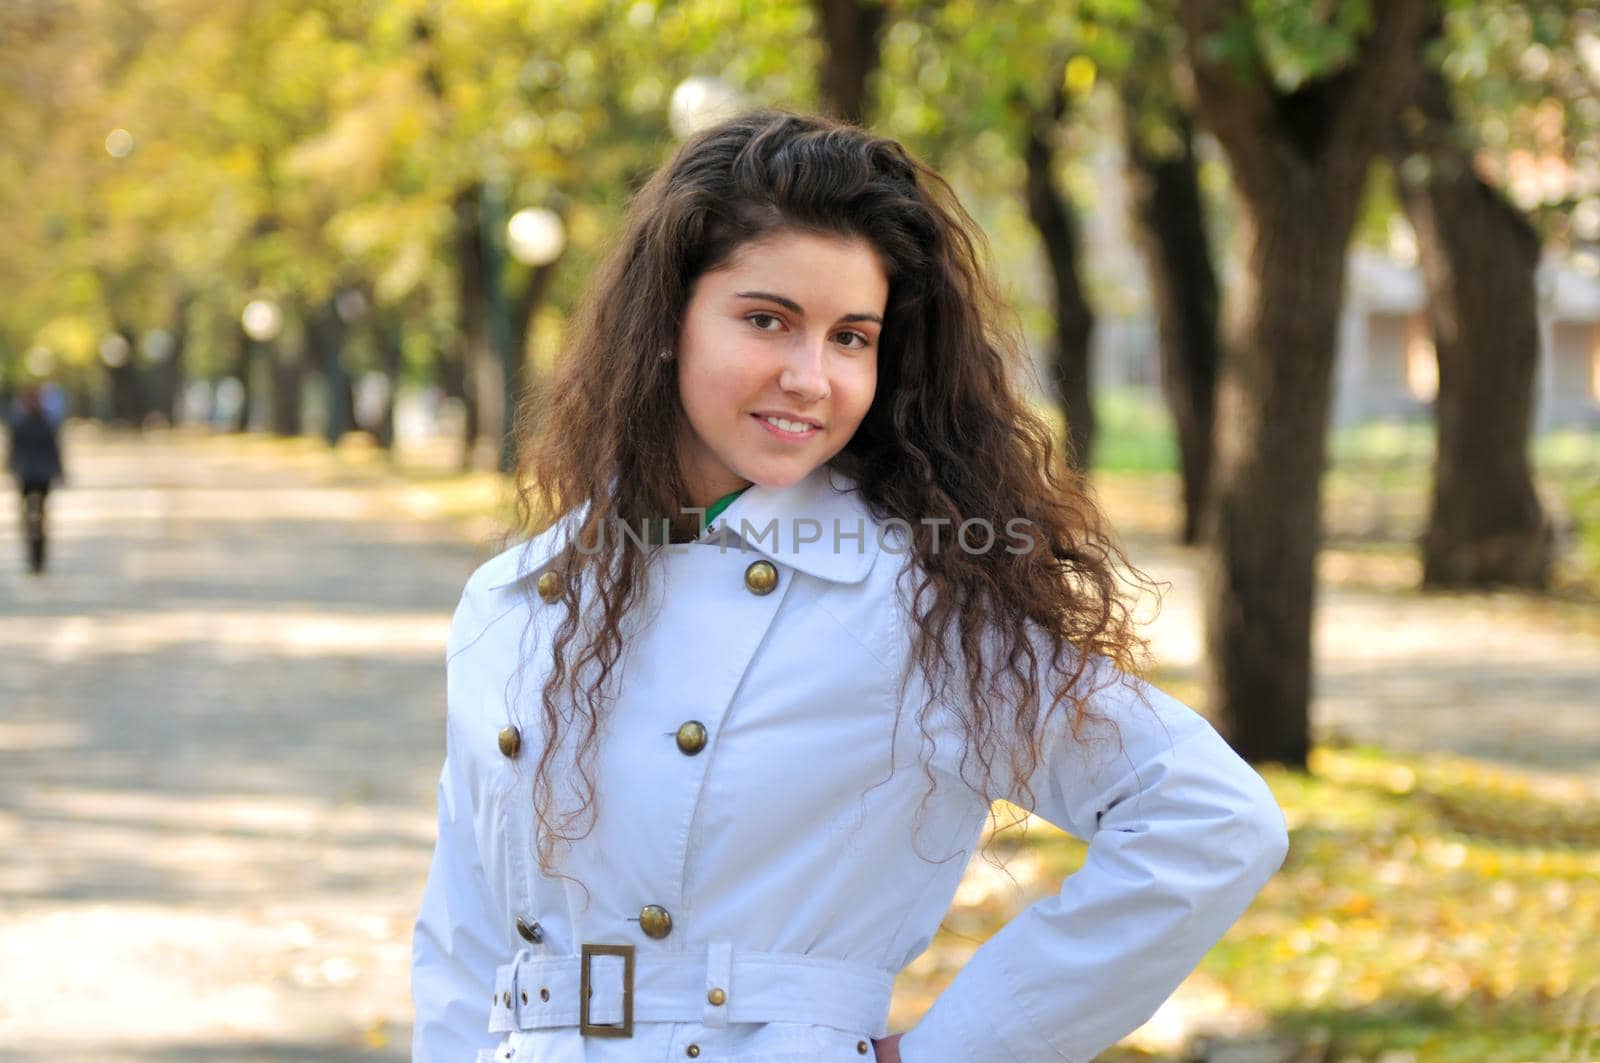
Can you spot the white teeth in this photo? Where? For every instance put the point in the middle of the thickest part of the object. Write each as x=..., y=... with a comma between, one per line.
x=787, y=426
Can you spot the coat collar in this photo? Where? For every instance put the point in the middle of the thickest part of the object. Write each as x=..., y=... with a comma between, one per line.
x=819, y=526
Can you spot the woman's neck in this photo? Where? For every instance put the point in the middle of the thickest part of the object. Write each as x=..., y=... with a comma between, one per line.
x=705, y=496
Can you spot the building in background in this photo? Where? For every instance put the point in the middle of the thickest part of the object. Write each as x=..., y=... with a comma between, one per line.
x=1387, y=369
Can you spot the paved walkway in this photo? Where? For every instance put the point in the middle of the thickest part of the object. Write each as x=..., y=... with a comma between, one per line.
x=220, y=717
x=220, y=722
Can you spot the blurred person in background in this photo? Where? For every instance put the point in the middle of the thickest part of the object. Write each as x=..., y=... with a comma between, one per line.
x=34, y=458
x=53, y=400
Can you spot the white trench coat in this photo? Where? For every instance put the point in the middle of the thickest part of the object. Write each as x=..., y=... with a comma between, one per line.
x=769, y=871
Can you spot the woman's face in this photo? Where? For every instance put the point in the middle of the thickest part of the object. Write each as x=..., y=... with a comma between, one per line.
x=777, y=360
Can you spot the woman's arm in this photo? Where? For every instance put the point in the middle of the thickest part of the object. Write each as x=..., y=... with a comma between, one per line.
x=456, y=944
x=1182, y=834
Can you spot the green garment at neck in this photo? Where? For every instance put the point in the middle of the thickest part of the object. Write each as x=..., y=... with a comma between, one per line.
x=715, y=509
x=653, y=528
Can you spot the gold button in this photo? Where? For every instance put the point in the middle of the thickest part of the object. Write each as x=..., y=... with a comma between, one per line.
x=510, y=741
x=761, y=577
x=692, y=1051
x=530, y=931
x=692, y=737
x=544, y=994
x=655, y=920
x=550, y=586
x=717, y=996
x=861, y=1046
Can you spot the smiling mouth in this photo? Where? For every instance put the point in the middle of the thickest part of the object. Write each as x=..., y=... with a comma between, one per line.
x=786, y=426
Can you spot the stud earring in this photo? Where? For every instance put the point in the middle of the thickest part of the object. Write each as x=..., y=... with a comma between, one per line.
x=666, y=354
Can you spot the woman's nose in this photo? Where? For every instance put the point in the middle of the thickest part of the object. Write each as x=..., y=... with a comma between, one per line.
x=805, y=374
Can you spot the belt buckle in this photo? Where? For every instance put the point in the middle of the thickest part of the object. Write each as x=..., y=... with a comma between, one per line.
x=587, y=1028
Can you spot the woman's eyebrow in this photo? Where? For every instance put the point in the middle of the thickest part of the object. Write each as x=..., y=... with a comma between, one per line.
x=791, y=305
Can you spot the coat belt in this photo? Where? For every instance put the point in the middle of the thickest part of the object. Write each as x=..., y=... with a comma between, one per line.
x=539, y=992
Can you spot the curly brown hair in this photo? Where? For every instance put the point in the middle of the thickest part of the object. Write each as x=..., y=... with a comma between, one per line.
x=949, y=434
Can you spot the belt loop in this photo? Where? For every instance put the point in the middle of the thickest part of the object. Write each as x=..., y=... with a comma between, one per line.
x=719, y=983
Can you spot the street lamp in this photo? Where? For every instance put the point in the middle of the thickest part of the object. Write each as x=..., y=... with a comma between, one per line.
x=119, y=143
x=262, y=320
x=157, y=346
x=536, y=236
x=114, y=350
x=699, y=102
x=350, y=307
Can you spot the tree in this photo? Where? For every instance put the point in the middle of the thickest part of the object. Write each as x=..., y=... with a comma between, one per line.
x=850, y=33
x=1056, y=221
x=1479, y=256
x=995, y=98
x=1168, y=215
x=1300, y=134
x=1509, y=105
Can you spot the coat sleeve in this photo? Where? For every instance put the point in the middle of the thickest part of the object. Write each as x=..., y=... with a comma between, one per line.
x=456, y=944
x=1181, y=834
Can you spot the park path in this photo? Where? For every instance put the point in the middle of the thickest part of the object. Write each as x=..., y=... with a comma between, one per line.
x=220, y=723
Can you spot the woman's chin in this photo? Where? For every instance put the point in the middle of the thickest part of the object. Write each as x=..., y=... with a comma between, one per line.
x=779, y=477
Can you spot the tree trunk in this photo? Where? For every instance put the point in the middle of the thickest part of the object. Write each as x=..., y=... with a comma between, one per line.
x=525, y=417
x=1169, y=220
x=1479, y=257
x=462, y=373
x=81, y=398
x=243, y=367
x=288, y=365
x=850, y=37
x=345, y=396
x=166, y=370
x=121, y=384
x=325, y=338
x=127, y=385
x=1053, y=217
x=390, y=350
x=175, y=369
x=1263, y=528
x=287, y=380
x=1299, y=164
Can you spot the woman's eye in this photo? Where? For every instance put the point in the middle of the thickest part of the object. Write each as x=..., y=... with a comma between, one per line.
x=756, y=319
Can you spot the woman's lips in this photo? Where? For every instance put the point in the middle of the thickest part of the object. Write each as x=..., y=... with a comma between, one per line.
x=784, y=434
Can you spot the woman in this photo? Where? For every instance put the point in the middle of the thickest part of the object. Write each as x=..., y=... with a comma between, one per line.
x=812, y=588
